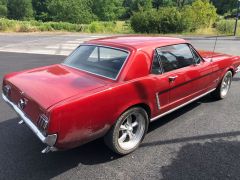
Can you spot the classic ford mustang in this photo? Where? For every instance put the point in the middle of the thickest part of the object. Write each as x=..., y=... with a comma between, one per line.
x=113, y=88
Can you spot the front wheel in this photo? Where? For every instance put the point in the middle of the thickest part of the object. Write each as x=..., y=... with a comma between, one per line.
x=128, y=132
x=223, y=88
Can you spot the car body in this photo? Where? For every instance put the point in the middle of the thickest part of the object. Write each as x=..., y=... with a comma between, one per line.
x=67, y=104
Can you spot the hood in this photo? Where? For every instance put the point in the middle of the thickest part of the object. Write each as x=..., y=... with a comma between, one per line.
x=209, y=55
x=52, y=84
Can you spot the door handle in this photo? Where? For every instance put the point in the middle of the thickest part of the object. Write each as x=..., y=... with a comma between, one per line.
x=172, y=78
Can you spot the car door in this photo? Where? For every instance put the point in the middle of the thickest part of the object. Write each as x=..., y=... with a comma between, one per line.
x=183, y=75
x=203, y=71
x=162, y=86
x=173, y=82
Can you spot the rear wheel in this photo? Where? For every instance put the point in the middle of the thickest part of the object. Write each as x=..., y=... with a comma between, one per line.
x=223, y=88
x=128, y=132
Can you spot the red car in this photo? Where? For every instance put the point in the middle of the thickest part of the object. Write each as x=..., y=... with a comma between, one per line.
x=113, y=88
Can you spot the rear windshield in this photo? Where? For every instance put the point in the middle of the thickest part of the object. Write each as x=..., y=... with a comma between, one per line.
x=99, y=60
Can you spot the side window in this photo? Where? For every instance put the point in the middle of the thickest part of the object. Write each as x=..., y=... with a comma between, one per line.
x=197, y=58
x=156, y=68
x=175, y=57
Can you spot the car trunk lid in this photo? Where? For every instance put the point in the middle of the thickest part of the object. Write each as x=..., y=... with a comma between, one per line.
x=52, y=84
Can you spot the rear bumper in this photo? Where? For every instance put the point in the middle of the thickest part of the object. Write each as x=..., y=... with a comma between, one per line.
x=49, y=140
x=237, y=69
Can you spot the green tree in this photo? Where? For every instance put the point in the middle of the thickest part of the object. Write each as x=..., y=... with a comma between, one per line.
x=20, y=9
x=164, y=20
x=162, y=3
x=3, y=8
x=132, y=6
x=108, y=10
x=74, y=11
x=128, y=5
x=224, y=6
x=170, y=20
x=200, y=14
x=146, y=21
x=40, y=10
x=142, y=5
x=182, y=3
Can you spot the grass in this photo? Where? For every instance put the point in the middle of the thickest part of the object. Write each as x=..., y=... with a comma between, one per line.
x=227, y=27
x=205, y=31
x=7, y=25
x=222, y=27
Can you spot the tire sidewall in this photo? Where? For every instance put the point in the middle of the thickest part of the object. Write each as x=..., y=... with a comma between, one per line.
x=119, y=122
x=220, y=90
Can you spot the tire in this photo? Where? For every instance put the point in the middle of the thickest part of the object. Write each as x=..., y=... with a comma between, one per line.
x=128, y=132
x=223, y=87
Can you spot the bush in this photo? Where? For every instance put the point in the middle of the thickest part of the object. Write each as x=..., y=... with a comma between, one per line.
x=145, y=22
x=94, y=27
x=5, y=24
x=108, y=27
x=70, y=11
x=26, y=27
x=201, y=14
x=165, y=20
x=226, y=27
x=170, y=20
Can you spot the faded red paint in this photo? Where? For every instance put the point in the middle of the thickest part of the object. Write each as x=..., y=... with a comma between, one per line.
x=83, y=107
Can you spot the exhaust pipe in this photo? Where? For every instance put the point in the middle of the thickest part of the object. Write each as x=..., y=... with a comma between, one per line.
x=48, y=149
x=21, y=122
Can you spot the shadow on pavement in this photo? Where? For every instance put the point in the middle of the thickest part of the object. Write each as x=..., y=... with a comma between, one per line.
x=20, y=156
x=210, y=160
x=236, y=79
x=170, y=117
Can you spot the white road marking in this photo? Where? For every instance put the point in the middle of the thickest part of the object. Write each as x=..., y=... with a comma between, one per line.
x=46, y=45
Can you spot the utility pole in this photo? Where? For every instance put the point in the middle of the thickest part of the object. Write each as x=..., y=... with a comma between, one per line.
x=236, y=23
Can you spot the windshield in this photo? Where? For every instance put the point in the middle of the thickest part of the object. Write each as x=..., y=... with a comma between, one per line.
x=99, y=60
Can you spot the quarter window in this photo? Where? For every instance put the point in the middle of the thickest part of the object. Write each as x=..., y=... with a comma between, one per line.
x=156, y=68
x=197, y=58
x=175, y=57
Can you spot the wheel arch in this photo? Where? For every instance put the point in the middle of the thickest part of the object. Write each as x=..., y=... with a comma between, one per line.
x=226, y=70
x=232, y=70
x=145, y=106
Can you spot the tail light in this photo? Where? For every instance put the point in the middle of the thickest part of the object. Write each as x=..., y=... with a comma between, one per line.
x=7, y=90
x=43, y=122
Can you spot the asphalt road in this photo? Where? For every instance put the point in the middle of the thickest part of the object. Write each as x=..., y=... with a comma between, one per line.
x=199, y=141
x=63, y=44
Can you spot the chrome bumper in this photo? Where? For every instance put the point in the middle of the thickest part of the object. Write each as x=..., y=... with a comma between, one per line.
x=238, y=69
x=50, y=140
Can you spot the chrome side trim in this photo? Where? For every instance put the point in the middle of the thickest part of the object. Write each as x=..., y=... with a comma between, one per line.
x=49, y=140
x=174, y=109
x=158, y=102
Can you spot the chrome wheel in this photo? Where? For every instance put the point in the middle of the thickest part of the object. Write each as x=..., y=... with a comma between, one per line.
x=226, y=83
x=131, y=131
x=128, y=131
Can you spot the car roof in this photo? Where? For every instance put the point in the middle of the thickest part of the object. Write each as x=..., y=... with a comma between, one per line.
x=137, y=42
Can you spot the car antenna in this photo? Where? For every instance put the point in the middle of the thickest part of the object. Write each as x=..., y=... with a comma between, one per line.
x=214, y=48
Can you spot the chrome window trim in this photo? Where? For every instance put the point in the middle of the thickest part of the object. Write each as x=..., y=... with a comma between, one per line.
x=49, y=140
x=182, y=105
x=187, y=44
x=98, y=45
x=159, y=62
x=194, y=50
